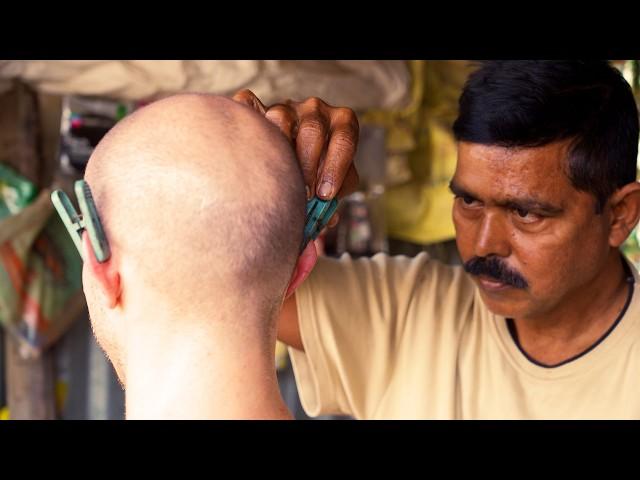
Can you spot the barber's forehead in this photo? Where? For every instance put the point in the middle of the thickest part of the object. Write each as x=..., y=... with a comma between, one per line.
x=515, y=171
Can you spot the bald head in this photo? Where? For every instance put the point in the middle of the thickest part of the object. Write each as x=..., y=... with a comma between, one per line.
x=202, y=199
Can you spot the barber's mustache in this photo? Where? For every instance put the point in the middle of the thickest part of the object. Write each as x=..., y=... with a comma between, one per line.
x=496, y=269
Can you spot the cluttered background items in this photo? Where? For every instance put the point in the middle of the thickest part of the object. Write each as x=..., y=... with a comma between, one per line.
x=84, y=121
x=41, y=274
x=41, y=298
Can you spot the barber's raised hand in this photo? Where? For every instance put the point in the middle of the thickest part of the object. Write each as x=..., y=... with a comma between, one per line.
x=325, y=139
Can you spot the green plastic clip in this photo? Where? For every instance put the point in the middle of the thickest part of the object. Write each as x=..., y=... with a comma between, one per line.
x=87, y=220
x=319, y=213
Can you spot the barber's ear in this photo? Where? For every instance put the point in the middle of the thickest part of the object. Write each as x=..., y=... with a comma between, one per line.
x=105, y=274
x=304, y=265
x=625, y=213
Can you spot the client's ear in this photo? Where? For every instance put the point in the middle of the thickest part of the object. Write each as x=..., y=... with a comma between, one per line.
x=106, y=276
x=304, y=265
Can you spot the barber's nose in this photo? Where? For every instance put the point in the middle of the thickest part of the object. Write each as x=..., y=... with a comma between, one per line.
x=492, y=238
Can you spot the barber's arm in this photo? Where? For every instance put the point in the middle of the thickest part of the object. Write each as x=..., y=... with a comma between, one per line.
x=288, y=326
x=325, y=139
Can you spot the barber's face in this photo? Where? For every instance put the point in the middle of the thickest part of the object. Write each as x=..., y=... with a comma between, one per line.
x=527, y=236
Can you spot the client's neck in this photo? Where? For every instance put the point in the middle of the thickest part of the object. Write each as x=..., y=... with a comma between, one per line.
x=218, y=369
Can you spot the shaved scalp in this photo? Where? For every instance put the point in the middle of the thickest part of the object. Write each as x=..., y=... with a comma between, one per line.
x=203, y=200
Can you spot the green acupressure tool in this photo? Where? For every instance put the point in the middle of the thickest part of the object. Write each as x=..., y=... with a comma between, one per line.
x=88, y=219
x=319, y=213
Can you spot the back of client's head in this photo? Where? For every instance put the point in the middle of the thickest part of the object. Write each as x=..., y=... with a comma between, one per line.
x=203, y=204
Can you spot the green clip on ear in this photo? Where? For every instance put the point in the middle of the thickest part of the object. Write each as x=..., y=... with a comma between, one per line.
x=88, y=220
x=319, y=213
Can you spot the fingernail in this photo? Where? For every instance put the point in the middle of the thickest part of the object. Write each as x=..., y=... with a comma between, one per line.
x=325, y=189
x=308, y=190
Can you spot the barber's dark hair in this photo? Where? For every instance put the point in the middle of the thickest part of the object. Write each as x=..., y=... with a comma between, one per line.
x=527, y=103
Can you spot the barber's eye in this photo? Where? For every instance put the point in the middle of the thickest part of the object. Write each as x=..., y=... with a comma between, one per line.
x=526, y=216
x=467, y=202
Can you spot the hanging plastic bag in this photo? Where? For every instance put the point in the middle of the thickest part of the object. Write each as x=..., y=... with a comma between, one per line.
x=40, y=269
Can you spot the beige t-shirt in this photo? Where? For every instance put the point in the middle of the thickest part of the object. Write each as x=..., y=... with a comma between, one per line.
x=399, y=337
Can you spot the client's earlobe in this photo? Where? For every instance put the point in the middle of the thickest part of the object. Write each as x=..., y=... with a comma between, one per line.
x=304, y=265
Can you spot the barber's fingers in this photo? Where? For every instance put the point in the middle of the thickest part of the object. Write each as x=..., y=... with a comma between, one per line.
x=325, y=139
x=285, y=118
x=326, y=142
x=343, y=143
x=248, y=98
x=313, y=131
